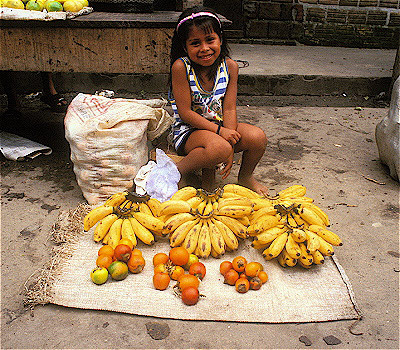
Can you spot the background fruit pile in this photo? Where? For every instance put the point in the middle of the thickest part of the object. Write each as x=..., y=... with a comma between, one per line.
x=48, y=5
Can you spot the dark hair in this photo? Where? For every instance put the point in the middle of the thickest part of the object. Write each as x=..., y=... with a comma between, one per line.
x=205, y=23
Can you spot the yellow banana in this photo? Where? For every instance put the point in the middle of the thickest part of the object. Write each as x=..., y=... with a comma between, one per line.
x=241, y=190
x=257, y=214
x=154, y=205
x=299, y=221
x=105, y=239
x=149, y=221
x=95, y=215
x=235, y=211
x=237, y=227
x=179, y=234
x=103, y=226
x=277, y=245
x=127, y=231
x=292, y=247
x=304, y=265
x=244, y=220
x=204, y=241
x=281, y=260
x=216, y=237
x=327, y=235
x=257, y=245
x=290, y=261
x=116, y=199
x=313, y=242
x=318, y=258
x=243, y=201
x=176, y=220
x=293, y=191
x=141, y=232
x=115, y=233
x=184, y=193
x=144, y=208
x=310, y=217
x=229, y=237
x=230, y=195
x=208, y=208
x=317, y=210
x=269, y=235
x=298, y=235
x=194, y=202
x=305, y=257
x=192, y=237
x=174, y=207
x=299, y=200
x=266, y=253
x=259, y=203
x=201, y=206
x=264, y=223
x=325, y=248
x=214, y=254
x=126, y=207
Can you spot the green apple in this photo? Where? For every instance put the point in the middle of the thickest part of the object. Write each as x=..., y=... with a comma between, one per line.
x=53, y=6
x=33, y=5
x=99, y=275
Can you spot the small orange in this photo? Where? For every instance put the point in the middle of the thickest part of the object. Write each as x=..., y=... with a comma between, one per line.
x=104, y=260
x=161, y=280
x=136, y=263
x=160, y=258
x=263, y=276
x=231, y=277
x=239, y=263
x=106, y=250
x=225, y=266
x=136, y=251
x=122, y=252
x=187, y=280
x=242, y=285
x=161, y=268
x=179, y=256
x=126, y=241
x=177, y=271
x=253, y=268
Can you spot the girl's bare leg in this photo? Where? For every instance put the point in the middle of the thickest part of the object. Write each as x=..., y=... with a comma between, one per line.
x=252, y=143
x=205, y=150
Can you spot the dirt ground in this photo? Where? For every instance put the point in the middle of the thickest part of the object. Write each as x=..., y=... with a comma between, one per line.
x=330, y=150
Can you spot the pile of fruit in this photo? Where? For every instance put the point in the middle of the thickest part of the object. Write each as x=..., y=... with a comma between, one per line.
x=125, y=215
x=242, y=274
x=48, y=5
x=173, y=266
x=117, y=262
x=288, y=226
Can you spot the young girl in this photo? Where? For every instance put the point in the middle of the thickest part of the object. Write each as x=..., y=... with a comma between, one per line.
x=204, y=88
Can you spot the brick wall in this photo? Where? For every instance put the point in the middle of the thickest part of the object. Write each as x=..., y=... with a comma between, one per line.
x=351, y=23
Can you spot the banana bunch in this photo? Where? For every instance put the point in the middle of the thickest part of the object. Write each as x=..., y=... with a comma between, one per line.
x=125, y=215
x=208, y=223
x=300, y=236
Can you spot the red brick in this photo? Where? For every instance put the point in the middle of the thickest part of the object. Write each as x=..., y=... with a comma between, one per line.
x=357, y=17
x=389, y=3
x=368, y=3
x=270, y=11
x=336, y=16
x=376, y=18
x=394, y=19
x=348, y=2
x=328, y=2
x=315, y=15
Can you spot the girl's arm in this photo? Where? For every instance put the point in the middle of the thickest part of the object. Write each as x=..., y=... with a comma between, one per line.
x=183, y=99
x=229, y=107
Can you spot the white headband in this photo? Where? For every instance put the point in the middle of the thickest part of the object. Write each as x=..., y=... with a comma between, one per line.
x=198, y=14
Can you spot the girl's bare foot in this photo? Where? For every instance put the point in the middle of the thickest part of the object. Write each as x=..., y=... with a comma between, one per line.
x=254, y=185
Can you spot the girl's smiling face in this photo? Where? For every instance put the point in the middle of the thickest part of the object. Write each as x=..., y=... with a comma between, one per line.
x=203, y=47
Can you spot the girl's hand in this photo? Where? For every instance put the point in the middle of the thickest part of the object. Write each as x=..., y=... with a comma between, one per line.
x=230, y=135
x=227, y=166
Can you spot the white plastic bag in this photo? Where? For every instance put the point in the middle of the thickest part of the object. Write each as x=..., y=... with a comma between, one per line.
x=108, y=140
x=162, y=180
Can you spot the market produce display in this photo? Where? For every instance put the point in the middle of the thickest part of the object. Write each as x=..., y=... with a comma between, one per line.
x=242, y=274
x=117, y=263
x=48, y=5
x=125, y=215
x=287, y=226
x=177, y=265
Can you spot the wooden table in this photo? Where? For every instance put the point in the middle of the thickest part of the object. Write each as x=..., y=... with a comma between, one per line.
x=99, y=42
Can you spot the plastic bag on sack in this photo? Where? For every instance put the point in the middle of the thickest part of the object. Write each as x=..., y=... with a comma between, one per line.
x=141, y=177
x=162, y=181
x=108, y=141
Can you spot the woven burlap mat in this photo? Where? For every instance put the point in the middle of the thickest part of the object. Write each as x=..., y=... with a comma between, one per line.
x=322, y=293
